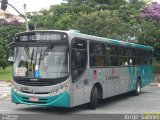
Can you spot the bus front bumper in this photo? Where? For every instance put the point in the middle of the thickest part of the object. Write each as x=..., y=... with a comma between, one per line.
x=61, y=100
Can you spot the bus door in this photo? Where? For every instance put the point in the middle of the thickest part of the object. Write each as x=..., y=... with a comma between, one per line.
x=79, y=71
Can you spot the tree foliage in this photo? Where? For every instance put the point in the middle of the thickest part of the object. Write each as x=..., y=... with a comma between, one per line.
x=6, y=36
x=93, y=24
x=150, y=27
x=151, y=12
x=3, y=62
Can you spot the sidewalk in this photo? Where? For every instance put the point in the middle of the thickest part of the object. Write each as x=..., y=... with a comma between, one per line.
x=3, y=96
x=155, y=84
x=5, y=88
x=5, y=84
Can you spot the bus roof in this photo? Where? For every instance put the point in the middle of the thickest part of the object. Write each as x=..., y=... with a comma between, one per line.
x=76, y=33
x=111, y=41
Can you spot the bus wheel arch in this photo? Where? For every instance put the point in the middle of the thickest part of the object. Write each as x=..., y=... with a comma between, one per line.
x=139, y=80
x=100, y=90
x=96, y=94
x=138, y=86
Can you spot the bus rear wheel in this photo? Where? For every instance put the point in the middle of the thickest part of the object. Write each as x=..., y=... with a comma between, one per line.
x=94, y=98
x=138, y=88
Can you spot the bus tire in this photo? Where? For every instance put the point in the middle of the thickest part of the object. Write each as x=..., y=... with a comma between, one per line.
x=138, y=88
x=94, y=98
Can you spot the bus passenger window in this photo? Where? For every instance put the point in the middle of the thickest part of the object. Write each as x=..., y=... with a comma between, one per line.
x=92, y=61
x=124, y=61
x=130, y=62
x=97, y=54
x=111, y=56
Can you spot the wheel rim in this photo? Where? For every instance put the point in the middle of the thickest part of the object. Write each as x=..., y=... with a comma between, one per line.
x=138, y=87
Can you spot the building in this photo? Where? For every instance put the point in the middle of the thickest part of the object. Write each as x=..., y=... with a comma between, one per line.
x=7, y=17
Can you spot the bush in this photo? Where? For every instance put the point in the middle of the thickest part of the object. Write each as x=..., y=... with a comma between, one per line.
x=157, y=69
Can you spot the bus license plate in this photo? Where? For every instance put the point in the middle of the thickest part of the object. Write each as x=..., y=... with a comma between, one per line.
x=33, y=99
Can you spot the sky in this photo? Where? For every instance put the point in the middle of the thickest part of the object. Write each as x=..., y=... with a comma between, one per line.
x=34, y=5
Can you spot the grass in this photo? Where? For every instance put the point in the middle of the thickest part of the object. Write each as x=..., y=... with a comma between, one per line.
x=6, y=74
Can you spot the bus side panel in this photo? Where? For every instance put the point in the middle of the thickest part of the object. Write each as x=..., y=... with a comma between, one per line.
x=147, y=75
x=113, y=80
x=124, y=79
x=83, y=86
x=81, y=89
x=98, y=75
x=134, y=73
x=117, y=81
x=88, y=86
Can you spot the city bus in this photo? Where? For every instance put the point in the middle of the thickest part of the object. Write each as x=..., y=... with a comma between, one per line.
x=67, y=68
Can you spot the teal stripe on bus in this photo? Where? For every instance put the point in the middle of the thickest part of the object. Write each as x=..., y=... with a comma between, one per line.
x=144, y=72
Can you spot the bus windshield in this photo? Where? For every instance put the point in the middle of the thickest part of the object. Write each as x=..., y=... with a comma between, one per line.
x=41, y=61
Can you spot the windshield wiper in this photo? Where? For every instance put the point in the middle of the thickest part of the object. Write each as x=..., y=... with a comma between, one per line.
x=46, y=52
x=31, y=59
x=40, y=58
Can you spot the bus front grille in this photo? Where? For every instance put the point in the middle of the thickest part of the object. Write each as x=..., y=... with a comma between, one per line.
x=35, y=92
x=35, y=102
x=35, y=83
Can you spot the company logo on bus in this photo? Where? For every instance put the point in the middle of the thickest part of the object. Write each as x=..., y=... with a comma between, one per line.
x=113, y=75
x=95, y=74
x=113, y=72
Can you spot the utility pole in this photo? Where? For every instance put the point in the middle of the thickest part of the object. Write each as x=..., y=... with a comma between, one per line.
x=25, y=14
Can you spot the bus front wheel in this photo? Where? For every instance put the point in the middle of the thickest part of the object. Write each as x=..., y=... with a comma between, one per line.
x=94, y=98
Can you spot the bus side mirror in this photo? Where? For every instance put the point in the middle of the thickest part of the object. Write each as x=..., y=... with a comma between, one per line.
x=10, y=53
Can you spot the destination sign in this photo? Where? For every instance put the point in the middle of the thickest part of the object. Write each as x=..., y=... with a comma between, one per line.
x=40, y=37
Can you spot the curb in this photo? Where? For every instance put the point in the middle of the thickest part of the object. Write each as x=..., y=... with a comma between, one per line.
x=155, y=84
x=5, y=84
x=3, y=96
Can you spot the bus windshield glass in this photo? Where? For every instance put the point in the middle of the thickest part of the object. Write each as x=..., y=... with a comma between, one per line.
x=49, y=61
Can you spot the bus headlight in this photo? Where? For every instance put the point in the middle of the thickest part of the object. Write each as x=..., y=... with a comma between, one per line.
x=61, y=90
x=15, y=90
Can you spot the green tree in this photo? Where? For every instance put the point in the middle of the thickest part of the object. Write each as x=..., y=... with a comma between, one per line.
x=130, y=11
x=87, y=16
x=104, y=24
x=150, y=27
x=39, y=21
x=3, y=62
x=6, y=36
